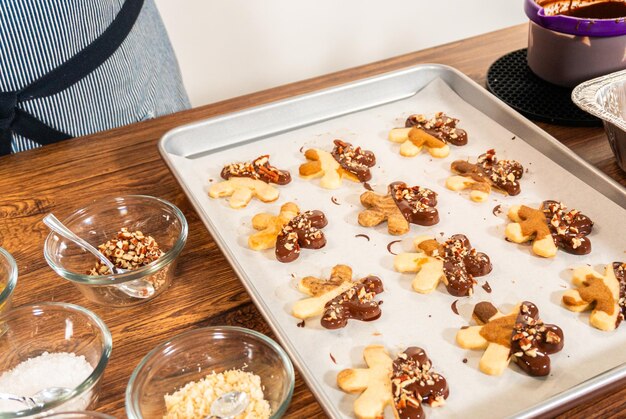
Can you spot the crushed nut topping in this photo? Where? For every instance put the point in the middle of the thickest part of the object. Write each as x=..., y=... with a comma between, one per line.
x=569, y=228
x=414, y=382
x=440, y=126
x=355, y=303
x=532, y=341
x=461, y=263
x=259, y=168
x=504, y=174
x=303, y=231
x=194, y=399
x=489, y=172
x=417, y=198
x=354, y=160
x=129, y=250
x=619, y=268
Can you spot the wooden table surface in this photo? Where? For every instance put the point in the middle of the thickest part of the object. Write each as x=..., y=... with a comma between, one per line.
x=64, y=176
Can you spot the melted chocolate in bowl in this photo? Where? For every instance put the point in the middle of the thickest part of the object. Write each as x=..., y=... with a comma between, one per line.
x=586, y=10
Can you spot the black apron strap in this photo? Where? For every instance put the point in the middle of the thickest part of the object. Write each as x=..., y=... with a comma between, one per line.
x=13, y=119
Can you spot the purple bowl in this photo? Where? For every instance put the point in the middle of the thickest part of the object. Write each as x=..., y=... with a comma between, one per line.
x=574, y=25
x=568, y=50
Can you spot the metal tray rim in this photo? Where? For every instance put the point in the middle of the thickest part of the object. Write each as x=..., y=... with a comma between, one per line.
x=541, y=409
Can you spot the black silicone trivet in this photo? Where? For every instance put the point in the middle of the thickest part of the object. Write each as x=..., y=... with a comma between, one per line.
x=511, y=80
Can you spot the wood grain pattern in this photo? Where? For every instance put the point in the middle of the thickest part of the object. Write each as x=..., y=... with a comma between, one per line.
x=62, y=177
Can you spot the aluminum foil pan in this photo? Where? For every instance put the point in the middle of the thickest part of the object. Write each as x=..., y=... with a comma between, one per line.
x=605, y=97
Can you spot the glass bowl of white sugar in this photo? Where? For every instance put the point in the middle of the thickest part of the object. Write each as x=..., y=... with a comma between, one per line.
x=52, y=345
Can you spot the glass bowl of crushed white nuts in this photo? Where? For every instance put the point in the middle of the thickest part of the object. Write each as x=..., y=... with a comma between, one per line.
x=183, y=377
x=141, y=236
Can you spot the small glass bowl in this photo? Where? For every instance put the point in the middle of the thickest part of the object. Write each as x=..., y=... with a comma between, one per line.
x=8, y=279
x=29, y=331
x=195, y=354
x=99, y=222
x=79, y=415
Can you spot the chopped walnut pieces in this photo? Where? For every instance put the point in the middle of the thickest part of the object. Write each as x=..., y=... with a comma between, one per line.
x=129, y=250
x=414, y=382
x=354, y=160
x=416, y=198
x=356, y=302
x=532, y=341
x=569, y=228
x=461, y=263
x=302, y=231
x=415, y=195
x=488, y=172
x=259, y=168
x=552, y=337
x=440, y=126
x=504, y=174
x=489, y=156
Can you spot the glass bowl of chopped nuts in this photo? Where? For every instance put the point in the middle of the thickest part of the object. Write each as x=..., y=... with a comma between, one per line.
x=141, y=236
x=185, y=375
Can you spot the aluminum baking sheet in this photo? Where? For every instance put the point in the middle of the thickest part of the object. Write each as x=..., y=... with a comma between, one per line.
x=362, y=113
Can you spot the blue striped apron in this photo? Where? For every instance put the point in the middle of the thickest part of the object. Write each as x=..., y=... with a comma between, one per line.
x=73, y=67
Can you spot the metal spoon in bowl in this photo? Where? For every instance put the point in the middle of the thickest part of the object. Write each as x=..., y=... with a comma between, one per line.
x=40, y=398
x=138, y=288
x=229, y=405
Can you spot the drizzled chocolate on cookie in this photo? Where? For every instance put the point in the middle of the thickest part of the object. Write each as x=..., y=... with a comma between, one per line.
x=530, y=339
x=303, y=231
x=259, y=168
x=569, y=228
x=461, y=263
x=620, y=273
x=354, y=160
x=440, y=126
x=489, y=171
x=416, y=204
x=355, y=303
x=533, y=340
x=413, y=382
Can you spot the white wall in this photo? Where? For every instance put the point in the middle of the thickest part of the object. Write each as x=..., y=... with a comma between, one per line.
x=227, y=48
